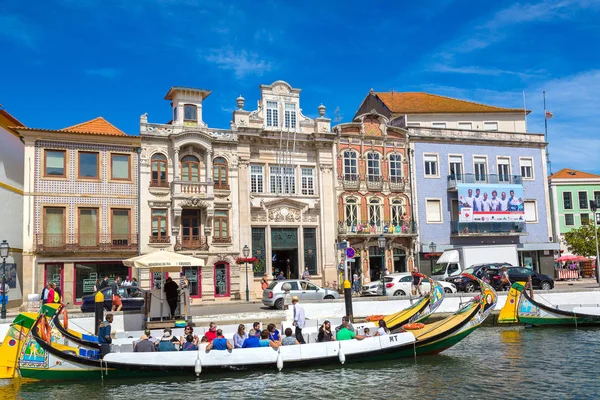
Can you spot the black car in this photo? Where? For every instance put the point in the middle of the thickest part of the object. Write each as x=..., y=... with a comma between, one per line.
x=482, y=271
x=132, y=298
x=521, y=274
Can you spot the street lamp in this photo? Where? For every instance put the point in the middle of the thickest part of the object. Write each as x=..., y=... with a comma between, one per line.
x=4, y=249
x=432, y=247
x=246, y=252
x=381, y=242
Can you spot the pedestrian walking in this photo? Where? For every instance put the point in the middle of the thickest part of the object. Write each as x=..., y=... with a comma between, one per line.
x=505, y=281
x=117, y=304
x=417, y=279
x=171, y=293
x=299, y=319
x=306, y=274
x=355, y=284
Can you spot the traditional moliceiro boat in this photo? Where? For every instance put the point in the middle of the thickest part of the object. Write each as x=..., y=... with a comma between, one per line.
x=521, y=307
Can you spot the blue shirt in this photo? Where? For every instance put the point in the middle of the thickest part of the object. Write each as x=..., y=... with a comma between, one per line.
x=274, y=336
x=252, y=341
x=103, y=331
x=219, y=344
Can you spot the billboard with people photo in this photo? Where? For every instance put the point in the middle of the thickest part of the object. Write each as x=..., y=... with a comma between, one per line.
x=490, y=203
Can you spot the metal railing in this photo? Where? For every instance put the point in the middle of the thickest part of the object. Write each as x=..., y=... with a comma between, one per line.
x=194, y=242
x=225, y=239
x=154, y=183
x=398, y=183
x=351, y=181
x=506, y=228
x=455, y=179
x=200, y=189
x=368, y=228
x=160, y=239
x=374, y=182
x=50, y=242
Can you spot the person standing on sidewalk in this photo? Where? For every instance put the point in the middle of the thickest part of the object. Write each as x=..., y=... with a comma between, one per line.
x=117, y=304
x=299, y=319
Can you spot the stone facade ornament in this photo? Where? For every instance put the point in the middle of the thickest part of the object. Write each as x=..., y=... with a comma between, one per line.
x=326, y=167
x=322, y=110
x=159, y=204
x=284, y=214
x=240, y=102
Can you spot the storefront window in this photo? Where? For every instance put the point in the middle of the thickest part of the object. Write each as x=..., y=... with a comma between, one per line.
x=87, y=275
x=529, y=260
x=193, y=275
x=54, y=274
x=310, y=250
x=399, y=260
x=221, y=280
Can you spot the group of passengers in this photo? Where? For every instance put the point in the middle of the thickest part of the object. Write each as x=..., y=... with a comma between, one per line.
x=345, y=331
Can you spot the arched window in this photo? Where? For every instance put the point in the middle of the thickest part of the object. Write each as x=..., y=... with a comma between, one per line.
x=374, y=212
x=396, y=168
x=159, y=171
x=190, y=169
x=397, y=212
x=220, y=173
x=350, y=165
x=351, y=212
x=190, y=113
x=373, y=167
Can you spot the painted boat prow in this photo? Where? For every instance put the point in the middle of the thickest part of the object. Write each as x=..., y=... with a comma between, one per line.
x=509, y=313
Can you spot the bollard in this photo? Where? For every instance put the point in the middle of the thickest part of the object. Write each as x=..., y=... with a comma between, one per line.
x=348, y=299
x=98, y=310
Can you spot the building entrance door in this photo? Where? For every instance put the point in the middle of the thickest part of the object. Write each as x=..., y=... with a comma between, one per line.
x=284, y=245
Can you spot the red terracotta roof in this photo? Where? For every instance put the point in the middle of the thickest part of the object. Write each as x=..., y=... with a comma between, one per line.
x=96, y=126
x=426, y=103
x=567, y=173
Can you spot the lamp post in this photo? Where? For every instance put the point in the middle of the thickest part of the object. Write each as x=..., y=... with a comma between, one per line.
x=4, y=249
x=381, y=242
x=432, y=248
x=246, y=252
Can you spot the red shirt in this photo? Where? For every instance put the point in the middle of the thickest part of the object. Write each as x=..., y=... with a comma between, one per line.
x=211, y=335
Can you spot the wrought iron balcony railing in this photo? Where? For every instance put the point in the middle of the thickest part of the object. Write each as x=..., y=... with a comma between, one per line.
x=375, y=228
x=505, y=228
x=51, y=242
x=194, y=242
x=455, y=179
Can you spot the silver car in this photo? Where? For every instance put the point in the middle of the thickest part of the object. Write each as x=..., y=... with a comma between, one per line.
x=305, y=290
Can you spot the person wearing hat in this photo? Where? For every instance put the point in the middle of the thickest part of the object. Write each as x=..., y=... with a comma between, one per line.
x=264, y=282
x=299, y=319
x=167, y=342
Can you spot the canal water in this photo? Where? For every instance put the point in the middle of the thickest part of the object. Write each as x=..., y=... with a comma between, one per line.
x=507, y=363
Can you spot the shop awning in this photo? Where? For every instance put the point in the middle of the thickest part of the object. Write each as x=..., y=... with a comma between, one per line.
x=163, y=261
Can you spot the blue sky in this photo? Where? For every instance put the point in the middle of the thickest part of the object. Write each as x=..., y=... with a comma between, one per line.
x=67, y=61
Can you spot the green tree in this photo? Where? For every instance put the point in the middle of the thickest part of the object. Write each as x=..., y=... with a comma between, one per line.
x=581, y=241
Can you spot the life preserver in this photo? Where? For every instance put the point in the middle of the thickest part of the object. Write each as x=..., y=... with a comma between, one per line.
x=413, y=326
x=45, y=331
x=65, y=318
x=374, y=318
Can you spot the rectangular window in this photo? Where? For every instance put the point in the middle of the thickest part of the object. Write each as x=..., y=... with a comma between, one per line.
x=290, y=115
x=221, y=226
x=159, y=223
x=438, y=124
x=465, y=125
x=282, y=180
x=395, y=168
x=351, y=212
x=190, y=112
x=54, y=163
x=455, y=167
x=373, y=166
x=258, y=251
x=350, y=166
x=490, y=126
x=308, y=183
x=567, y=201
x=526, y=168
x=434, y=211
x=480, y=164
x=569, y=220
x=583, y=200
x=531, y=211
x=88, y=165
x=597, y=197
x=256, y=179
x=88, y=227
x=120, y=227
x=272, y=114
x=503, y=169
x=585, y=219
x=120, y=167
x=310, y=250
x=54, y=226
x=431, y=162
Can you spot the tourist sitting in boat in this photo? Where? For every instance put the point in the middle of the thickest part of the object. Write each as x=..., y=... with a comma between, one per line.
x=211, y=333
x=189, y=344
x=367, y=332
x=346, y=333
x=149, y=337
x=383, y=329
x=256, y=328
x=325, y=334
x=266, y=342
x=240, y=336
x=289, y=338
x=340, y=326
x=188, y=330
x=167, y=342
x=273, y=333
x=251, y=341
x=219, y=343
x=203, y=343
x=144, y=345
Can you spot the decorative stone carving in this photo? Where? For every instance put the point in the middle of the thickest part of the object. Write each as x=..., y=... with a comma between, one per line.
x=284, y=214
x=258, y=216
x=159, y=204
x=195, y=202
x=240, y=102
x=326, y=167
x=322, y=110
x=280, y=89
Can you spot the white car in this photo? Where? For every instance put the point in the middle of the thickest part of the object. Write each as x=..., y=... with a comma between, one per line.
x=370, y=289
x=400, y=285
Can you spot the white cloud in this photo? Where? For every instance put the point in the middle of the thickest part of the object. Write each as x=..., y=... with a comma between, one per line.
x=241, y=62
x=103, y=72
x=475, y=70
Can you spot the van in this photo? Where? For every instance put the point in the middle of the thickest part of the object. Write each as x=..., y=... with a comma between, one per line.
x=454, y=262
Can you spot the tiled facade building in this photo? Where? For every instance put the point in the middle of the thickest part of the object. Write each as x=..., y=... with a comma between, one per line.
x=80, y=206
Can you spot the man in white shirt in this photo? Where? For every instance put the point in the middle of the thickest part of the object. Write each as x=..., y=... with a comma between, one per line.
x=514, y=202
x=467, y=201
x=487, y=204
x=503, y=203
x=299, y=320
x=477, y=201
x=494, y=201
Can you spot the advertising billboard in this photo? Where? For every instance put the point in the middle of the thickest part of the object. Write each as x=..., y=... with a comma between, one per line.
x=490, y=203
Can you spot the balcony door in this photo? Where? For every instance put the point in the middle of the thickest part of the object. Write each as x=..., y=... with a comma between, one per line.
x=190, y=229
x=54, y=226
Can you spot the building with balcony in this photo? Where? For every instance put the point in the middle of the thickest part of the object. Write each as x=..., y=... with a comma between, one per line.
x=373, y=193
x=571, y=192
x=11, y=198
x=80, y=209
x=189, y=195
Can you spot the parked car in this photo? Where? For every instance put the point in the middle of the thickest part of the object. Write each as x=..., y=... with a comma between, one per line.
x=370, y=289
x=521, y=274
x=305, y=290
x=132, y=298
x=400, y=285
x=489, y=270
